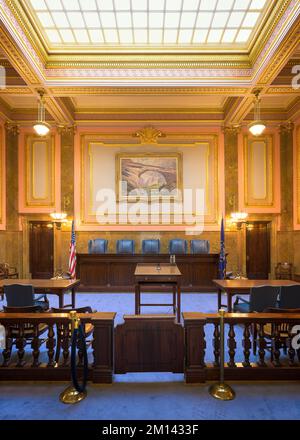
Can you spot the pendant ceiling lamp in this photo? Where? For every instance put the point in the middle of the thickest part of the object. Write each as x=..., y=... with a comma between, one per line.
x=257, y=127
x=41, y=127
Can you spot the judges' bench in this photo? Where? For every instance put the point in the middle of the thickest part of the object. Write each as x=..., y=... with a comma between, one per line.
x=115, y=272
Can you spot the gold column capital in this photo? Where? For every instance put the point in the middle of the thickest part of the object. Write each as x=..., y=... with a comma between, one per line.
x=12, y=128
x=67, y=129
x=233, y=129
x=287, y=127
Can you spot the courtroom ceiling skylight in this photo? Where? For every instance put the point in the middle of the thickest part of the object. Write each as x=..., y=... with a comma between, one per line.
x=147, y=24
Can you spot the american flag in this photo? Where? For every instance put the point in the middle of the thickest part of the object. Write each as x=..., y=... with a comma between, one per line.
x=72, y=257
x=222, y=258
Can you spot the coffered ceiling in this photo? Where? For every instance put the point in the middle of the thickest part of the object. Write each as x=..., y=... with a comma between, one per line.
x=184, y=79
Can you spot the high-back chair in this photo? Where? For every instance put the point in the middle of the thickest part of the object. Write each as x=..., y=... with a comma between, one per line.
x=200, y=247
x=125, y=247
x=151, y=247
x=22, y=295
x=289, y=297
x=177, y=246
x=261, y=298
x=97, y=246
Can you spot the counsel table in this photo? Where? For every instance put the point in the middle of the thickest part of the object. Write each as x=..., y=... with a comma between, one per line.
x=56, y=287
x=157, y=274
x=240, y=286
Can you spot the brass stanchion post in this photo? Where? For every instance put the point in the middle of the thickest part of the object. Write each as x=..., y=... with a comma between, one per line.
x=221, y=390
x=71, y=394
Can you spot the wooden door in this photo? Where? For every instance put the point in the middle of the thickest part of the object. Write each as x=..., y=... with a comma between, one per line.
x=41, y=241
x=258, y=250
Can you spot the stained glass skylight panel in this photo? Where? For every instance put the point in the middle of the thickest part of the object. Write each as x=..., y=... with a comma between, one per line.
x=176, y=23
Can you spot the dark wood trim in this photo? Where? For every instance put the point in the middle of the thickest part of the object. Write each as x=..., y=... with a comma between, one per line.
x=149, y=343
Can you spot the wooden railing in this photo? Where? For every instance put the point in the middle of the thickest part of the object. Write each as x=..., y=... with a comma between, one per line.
x=258, y=354
x=253, y=344
x=34, y=358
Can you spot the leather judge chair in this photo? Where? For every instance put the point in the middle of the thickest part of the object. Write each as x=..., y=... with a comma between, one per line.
x=289, y=297
x=97, y=246
x=22, y=295
x=125, y=246
x=261, y=298
x=178, y=246
x=150, y=247
x=199, y=247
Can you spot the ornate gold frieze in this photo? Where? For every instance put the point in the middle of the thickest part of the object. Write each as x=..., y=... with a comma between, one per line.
x=149, y=135
x=66, y=91
x=281, y=56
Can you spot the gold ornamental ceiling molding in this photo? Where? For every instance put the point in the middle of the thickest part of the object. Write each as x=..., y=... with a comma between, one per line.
x=16, y=91
x=16, y=57
x=276, y=54
x=271, y=21
x=281, y=90
x=74, y=91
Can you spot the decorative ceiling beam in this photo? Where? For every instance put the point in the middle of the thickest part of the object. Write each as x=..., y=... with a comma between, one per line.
x=59, y=111
x=16, y=57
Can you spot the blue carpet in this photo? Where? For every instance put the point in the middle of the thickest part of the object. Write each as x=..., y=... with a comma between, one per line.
x=151, y=395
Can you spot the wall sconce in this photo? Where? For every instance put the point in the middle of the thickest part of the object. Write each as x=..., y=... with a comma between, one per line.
x=59, y=217
x=239, y=218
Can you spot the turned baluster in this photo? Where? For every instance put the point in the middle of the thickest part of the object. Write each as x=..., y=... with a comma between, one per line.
x=247, y=345
x=291, y=350
x=232, y=346
x=35, y=345
x=20, y=344
x=261, y=346
x=8, y=347
x=66, y=344
x=276, y=345
x=216, y=343
x=50, y=346
x=203, y=348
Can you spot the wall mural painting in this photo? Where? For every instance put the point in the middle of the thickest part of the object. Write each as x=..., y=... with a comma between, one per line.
x=149, y=175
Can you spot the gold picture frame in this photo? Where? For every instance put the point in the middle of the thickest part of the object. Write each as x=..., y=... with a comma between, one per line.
x=149, y=176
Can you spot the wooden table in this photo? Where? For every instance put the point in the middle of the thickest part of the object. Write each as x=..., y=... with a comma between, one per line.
x=50, y=287
x=243, y=286
x=158, y=275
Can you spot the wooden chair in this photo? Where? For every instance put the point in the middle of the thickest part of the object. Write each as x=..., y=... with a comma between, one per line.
x=26, y=334
x=9, y=271
x=281, y=329
x=64, y=337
